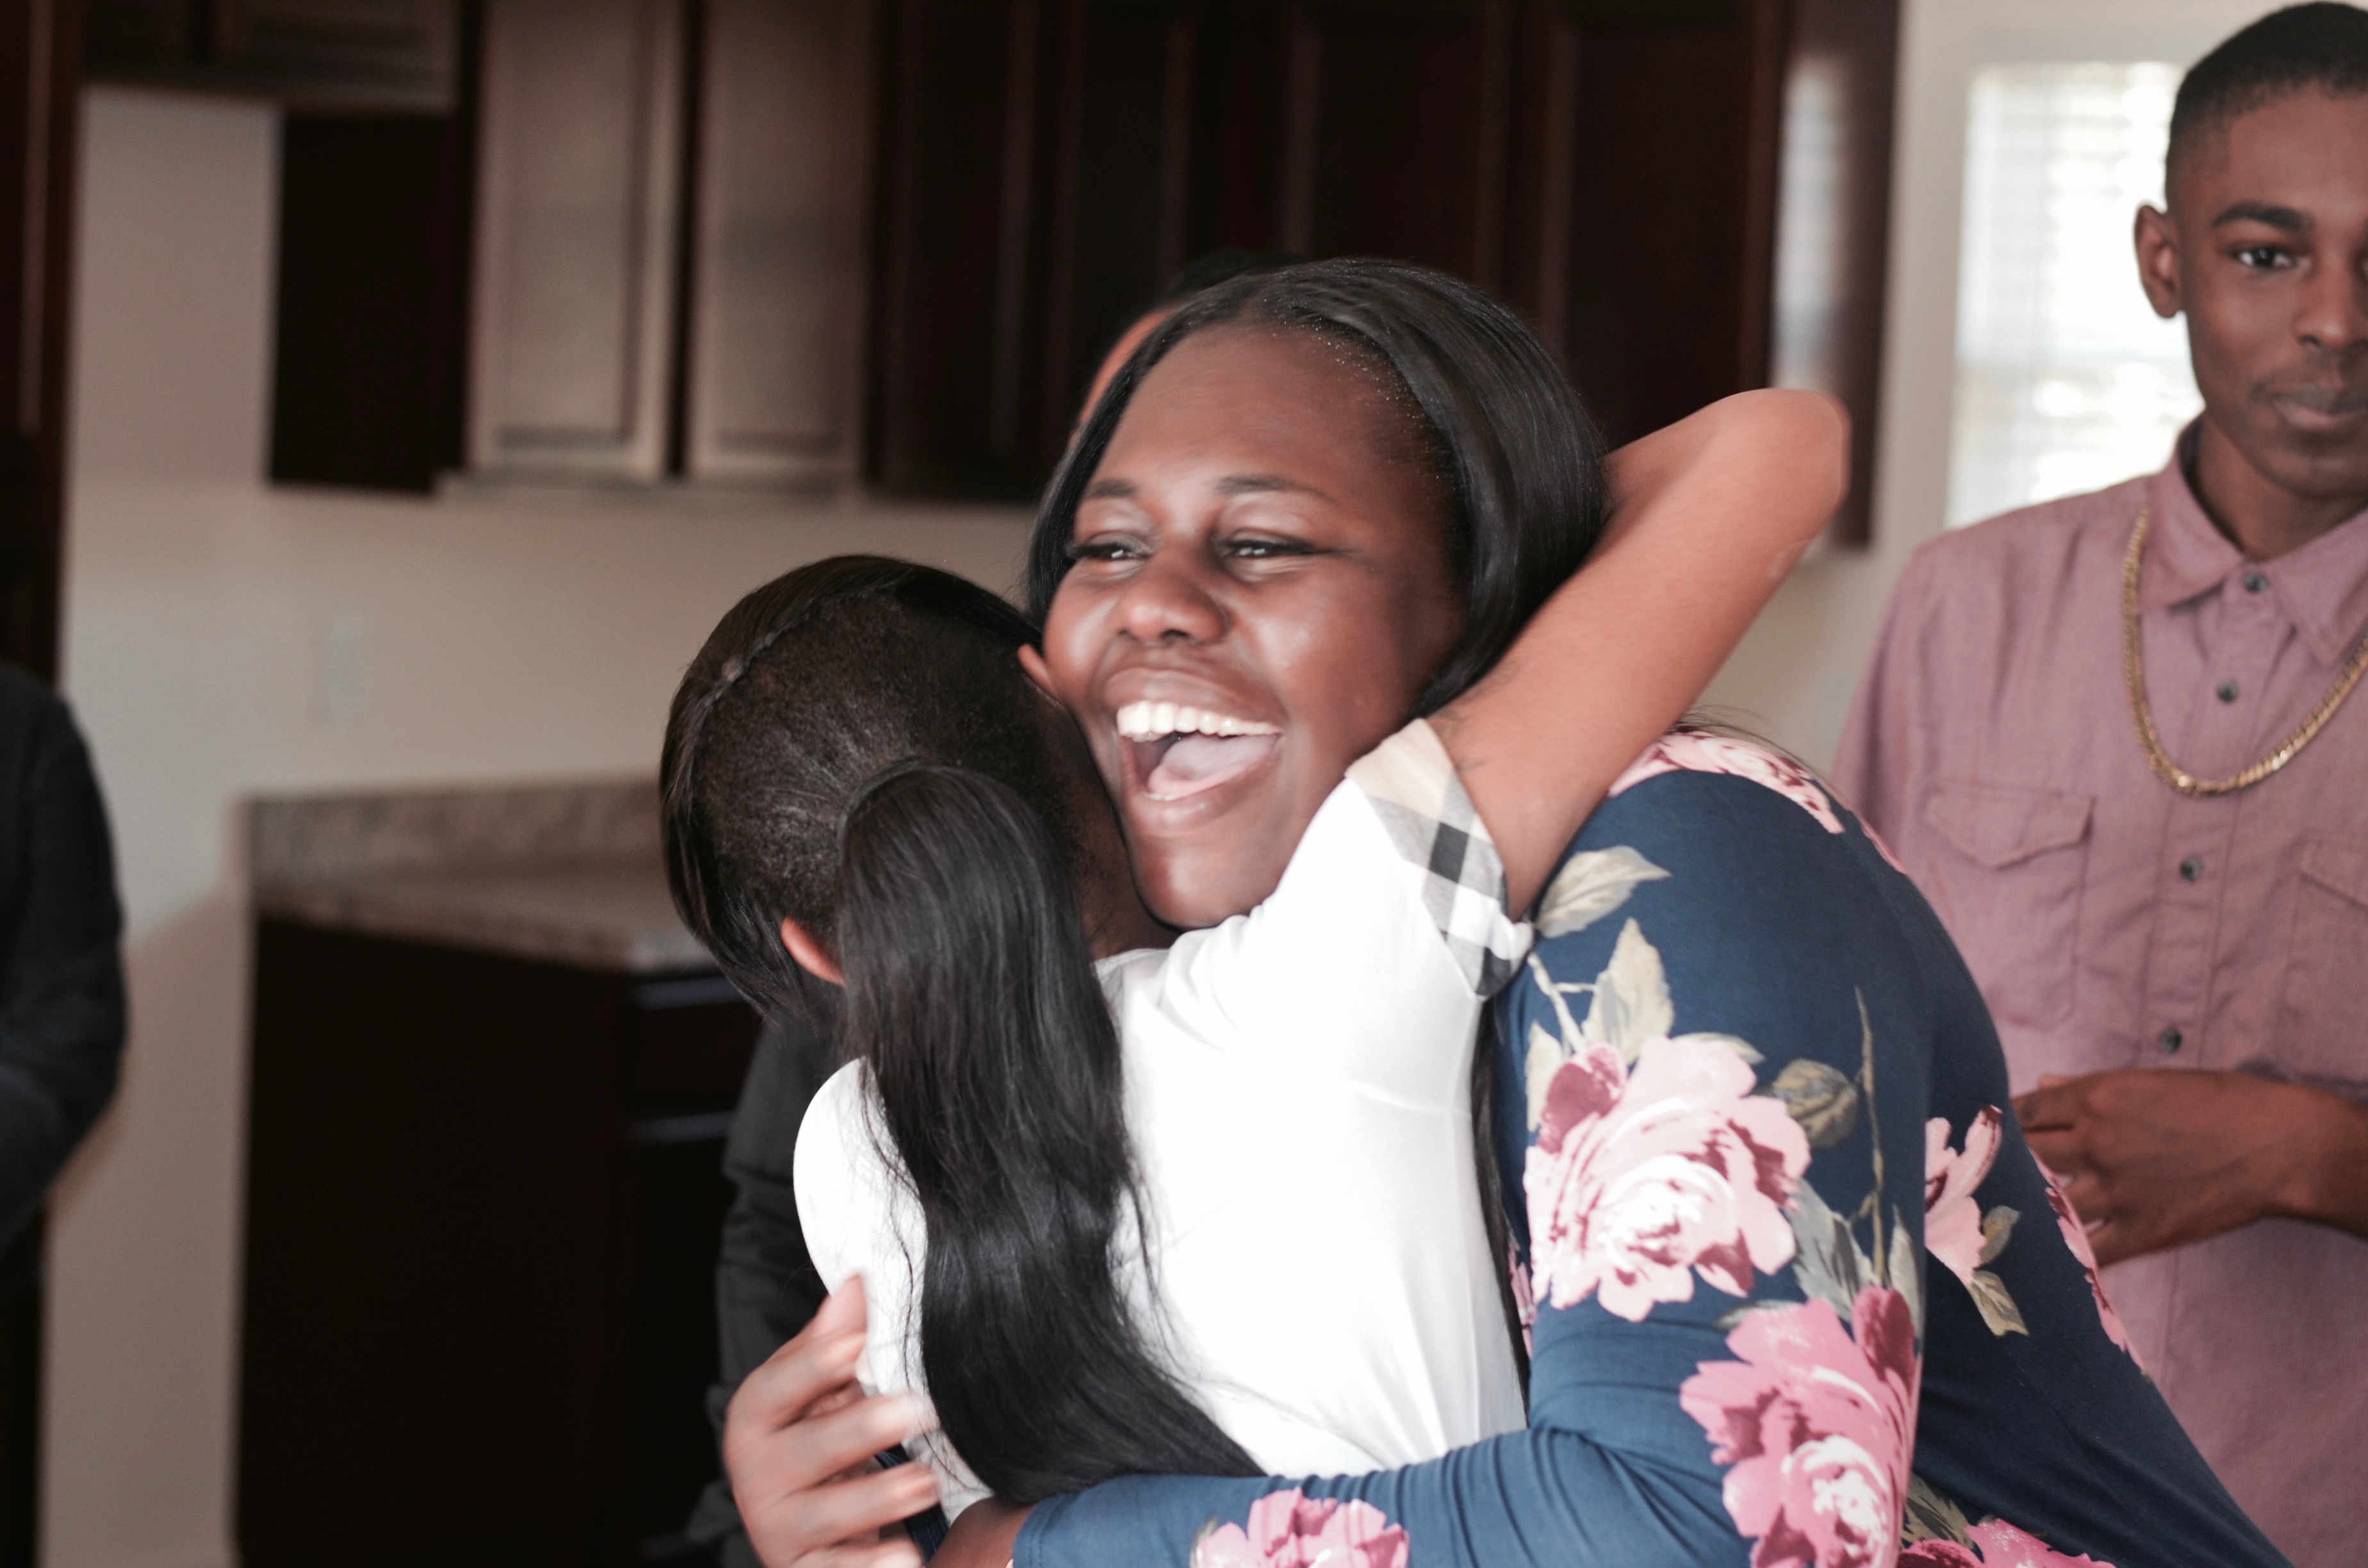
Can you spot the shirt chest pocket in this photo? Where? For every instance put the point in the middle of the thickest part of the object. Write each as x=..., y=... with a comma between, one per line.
x=2322, y=1033
x=2010, y=892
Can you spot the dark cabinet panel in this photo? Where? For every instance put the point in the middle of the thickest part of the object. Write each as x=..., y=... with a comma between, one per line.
x=40, y=115
x=368, y=356
x=483, y=1204
x=1613, y=167
x=320, y=54
x=956, y=328
x=1393, y=133
x=1667, y=272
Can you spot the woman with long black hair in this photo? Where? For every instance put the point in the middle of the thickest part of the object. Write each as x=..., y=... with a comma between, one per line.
x=1308, y=1058
x=1801, y=1293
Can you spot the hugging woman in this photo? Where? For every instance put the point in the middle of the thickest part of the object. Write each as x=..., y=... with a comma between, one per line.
x=1784, y=1238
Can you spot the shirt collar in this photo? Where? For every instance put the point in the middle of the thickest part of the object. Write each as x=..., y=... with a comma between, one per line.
x=2323, y=587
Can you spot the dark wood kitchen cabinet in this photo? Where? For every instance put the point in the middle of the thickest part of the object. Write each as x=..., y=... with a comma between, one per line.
x=349, y=54
x=1615, y=168
x=483, y=1203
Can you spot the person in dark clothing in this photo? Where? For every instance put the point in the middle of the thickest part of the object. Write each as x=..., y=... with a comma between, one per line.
x=62, y=1009
x=61, y=1022
x=765, y=1287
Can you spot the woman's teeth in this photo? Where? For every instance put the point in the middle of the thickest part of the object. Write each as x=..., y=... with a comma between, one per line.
x=1156, y=721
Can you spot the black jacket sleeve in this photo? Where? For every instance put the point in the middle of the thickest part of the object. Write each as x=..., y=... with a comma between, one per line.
x=62, y=1007
x=765, y=1287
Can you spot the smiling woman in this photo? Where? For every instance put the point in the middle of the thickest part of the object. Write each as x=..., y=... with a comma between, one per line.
x=1308, y=448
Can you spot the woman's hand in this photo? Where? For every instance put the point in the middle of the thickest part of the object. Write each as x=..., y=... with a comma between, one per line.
x=983, y=1537
x=798, y=1444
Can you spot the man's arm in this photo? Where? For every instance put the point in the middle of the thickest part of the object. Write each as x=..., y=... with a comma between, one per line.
x=61, y=1008
x=2160, y=1159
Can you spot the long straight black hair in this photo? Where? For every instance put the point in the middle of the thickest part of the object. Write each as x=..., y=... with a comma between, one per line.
x=857, y=749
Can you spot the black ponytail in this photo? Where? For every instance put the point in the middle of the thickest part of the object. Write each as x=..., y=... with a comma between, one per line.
x=857, y=749
x=972, y=998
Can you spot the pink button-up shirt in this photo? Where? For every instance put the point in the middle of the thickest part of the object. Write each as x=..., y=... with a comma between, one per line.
x=2114, y=923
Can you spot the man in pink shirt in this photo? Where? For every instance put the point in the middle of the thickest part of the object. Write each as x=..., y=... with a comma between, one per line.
x=2109, y=737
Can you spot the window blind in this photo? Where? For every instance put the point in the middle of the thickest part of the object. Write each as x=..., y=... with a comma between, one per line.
x=2067, y=381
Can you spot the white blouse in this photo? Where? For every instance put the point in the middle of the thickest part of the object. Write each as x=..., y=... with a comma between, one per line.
x=1298, y=1088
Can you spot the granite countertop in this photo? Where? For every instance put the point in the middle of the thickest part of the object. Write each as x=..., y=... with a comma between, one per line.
x=565, y=873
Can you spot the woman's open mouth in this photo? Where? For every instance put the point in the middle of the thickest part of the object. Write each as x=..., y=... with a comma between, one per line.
x=1175, y=751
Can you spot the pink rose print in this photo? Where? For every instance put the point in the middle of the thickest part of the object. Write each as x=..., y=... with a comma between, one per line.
x=1818, y=1427
x=1525, y=1300
x=1289, y=1529
x=1952, y=1220
x=1642, y=1178
x=1691, y=751
x=2002, y=1546
x=2075, y=1236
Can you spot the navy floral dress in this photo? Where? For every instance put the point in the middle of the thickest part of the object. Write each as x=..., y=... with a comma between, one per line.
x=1802, y=1296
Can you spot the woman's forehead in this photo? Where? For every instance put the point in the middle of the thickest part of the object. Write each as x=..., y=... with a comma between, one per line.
x=1289, y=402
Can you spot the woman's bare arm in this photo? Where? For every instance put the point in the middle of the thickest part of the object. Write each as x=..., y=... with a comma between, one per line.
x=1708, y=515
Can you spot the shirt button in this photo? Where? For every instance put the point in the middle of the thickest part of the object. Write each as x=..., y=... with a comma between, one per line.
x=2254, y=582
x=2170, y=1040
x=2191, y=868
x=2227, y=691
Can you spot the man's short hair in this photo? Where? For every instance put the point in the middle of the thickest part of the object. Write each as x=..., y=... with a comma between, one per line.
x=2322, y=45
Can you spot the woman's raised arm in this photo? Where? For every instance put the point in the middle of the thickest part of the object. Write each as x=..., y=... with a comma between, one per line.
x=1708, y=516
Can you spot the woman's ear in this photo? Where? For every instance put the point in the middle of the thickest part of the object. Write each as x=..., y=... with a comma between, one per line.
x=1038, y=670
x=809, y=954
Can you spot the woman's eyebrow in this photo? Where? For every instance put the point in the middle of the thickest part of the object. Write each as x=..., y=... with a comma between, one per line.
x=1109, y=490
x=1263, y=484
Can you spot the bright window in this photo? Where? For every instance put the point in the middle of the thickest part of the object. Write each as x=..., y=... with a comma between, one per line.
x=2067, y=381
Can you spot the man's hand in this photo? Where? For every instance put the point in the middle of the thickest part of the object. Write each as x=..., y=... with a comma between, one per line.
x=2158, y=1158
x=799, y=1442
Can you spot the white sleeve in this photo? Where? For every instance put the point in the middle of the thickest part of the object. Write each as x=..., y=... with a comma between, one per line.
x=1388, y=928
x=860, y=1218
x=827, y=1199
x=847, y=1207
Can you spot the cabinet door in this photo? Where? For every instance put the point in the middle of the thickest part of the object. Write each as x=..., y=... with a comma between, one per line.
x=578, y=169
x=123, y=35
x=1393, y=121
x=778, y=271
x=396, y=47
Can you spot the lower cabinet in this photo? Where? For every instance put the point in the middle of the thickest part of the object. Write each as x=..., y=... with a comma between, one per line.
x=483, y=1201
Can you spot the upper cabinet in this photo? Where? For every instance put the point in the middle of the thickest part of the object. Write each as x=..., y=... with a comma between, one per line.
x=348, y=55
x=1686, y=197
x=815, y=241
x=579, y=173
x=669, y=257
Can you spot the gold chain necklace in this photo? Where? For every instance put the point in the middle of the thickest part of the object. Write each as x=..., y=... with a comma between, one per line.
x=2133, y=671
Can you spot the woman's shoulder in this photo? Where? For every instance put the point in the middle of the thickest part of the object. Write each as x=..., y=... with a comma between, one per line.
x=1738, y=808
x=1735, y=861
x=1686, y=752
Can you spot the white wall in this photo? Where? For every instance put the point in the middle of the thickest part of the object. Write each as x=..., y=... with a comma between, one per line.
x=1795, y=674
x=224, y=639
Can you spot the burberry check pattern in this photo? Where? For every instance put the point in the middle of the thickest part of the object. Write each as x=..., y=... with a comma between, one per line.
x=1413, y=786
